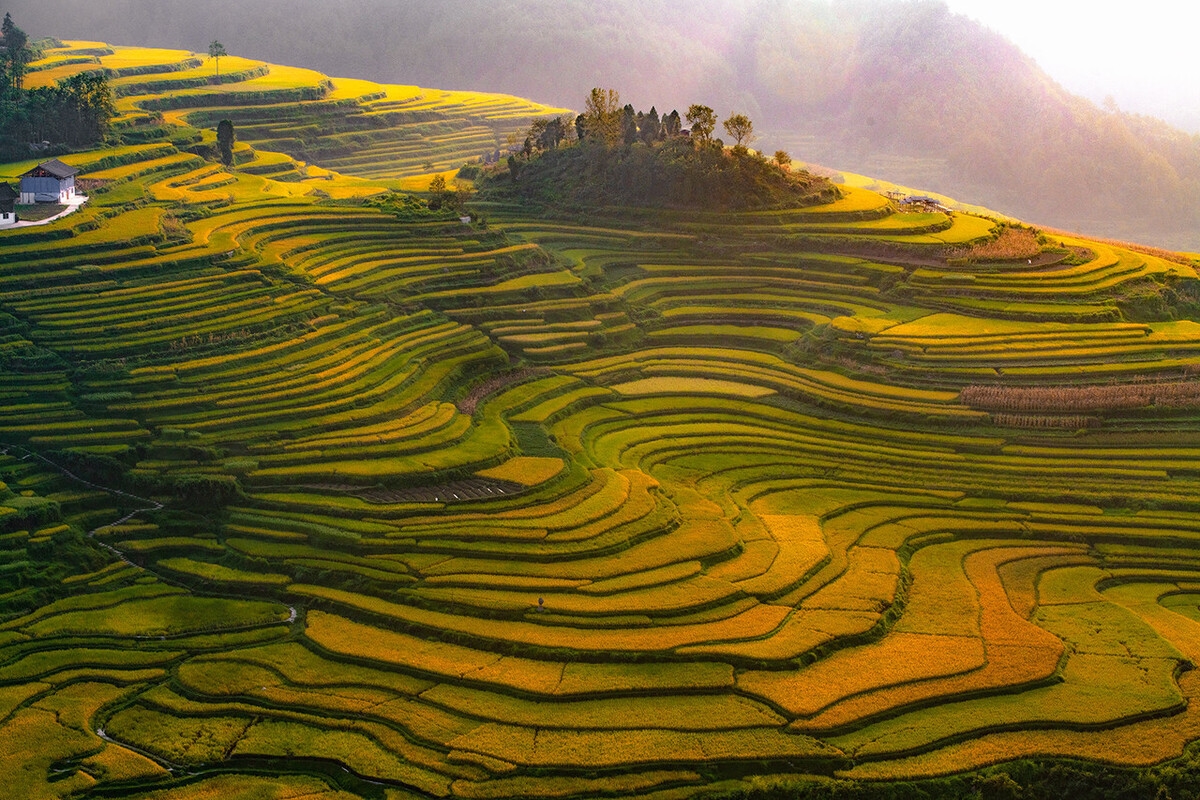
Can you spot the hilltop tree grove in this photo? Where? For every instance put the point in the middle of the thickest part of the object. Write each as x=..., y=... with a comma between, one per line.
x=641, y=158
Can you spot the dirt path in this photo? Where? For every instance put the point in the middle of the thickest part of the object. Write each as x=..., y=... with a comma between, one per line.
x=71, y=208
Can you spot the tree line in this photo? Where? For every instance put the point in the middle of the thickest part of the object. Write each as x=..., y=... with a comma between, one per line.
x=613, y=154
x=75, y=112
x=606, y=122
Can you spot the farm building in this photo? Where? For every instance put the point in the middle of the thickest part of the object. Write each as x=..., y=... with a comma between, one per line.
x=8, y=199
x=49, y=182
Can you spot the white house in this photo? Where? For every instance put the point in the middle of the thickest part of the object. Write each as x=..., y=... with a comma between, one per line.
x=49, y=182
x=8, y=197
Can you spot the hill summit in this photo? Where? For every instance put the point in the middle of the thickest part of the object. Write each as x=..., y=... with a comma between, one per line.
x=611, y=155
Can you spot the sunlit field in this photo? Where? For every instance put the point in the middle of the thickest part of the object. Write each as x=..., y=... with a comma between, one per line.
x=642, y=504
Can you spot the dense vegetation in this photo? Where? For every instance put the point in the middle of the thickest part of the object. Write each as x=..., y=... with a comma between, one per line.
x=906, y=91
x=311, y=489
x=53, y=119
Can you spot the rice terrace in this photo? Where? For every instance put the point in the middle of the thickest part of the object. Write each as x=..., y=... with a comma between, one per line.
x=347, y=470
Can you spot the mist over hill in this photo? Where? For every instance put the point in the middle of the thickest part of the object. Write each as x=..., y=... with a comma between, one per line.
x=903, y=90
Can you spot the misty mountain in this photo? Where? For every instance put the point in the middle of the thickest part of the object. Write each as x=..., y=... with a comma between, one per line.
x=901, y=89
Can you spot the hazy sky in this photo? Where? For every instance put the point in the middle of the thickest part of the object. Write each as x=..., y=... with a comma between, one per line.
x=1141, y=52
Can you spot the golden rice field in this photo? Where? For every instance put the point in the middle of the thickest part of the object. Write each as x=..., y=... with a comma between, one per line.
x=346, y=504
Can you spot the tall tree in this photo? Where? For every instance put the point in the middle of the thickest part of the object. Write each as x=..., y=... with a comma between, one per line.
x=740, y=128
x=77, y=111
x=672, y=124
x=225, y=140
x=87, y=106
x=602, y=116
x=215, y=51
x=553, y=135
x=16, y=53
x=650, y=127
x=535, y=136
x=437, y=192
x=629, y=128
x=702, y=121
x=569, y=126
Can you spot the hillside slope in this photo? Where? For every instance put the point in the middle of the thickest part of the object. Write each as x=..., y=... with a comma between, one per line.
x=310, y=490
x=905, y=91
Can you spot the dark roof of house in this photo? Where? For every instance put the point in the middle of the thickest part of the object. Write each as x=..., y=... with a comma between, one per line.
x=7, y=192
x=56, y=168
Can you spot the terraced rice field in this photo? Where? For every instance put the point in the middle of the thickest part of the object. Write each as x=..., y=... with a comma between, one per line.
x=646, y=506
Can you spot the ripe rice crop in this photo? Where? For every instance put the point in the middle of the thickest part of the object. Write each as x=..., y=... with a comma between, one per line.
x=690, y=386
x=181, y=740
x=116, y=763
x=868, y=583
x=802, y=632
x=340, y=635
x=637, y=580
x=34, y=742
x=1175, y=625
x=360, y=752
x=753, y=623
x=249, y=787
x=897, y=659
x=667, y=599
x=1139, y=743
x=574, y=749
x=678, y=712
x=302, y=667
x=525, y=470
x=221, y=574
x=171, y=614
x=801, y=548
x=1088, y=696
x=96, y=600
x=570, y=786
